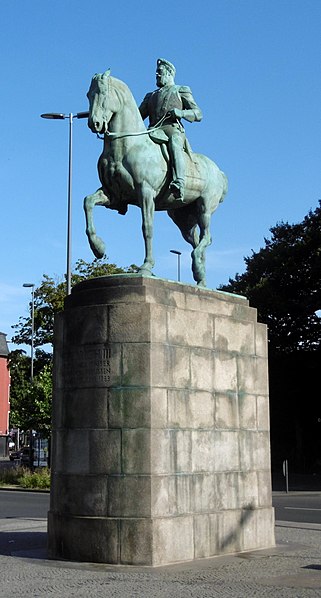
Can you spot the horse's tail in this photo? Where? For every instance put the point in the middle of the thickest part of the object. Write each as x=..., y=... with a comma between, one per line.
x=225, y=186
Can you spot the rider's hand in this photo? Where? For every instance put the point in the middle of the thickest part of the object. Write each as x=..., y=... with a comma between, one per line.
x=175, y=113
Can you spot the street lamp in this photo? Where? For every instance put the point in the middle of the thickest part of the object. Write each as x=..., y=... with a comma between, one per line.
x=30, y=285
x=178, y=253
x=70, y=117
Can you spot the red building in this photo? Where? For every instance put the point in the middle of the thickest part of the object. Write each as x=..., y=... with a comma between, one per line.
x=4, y=395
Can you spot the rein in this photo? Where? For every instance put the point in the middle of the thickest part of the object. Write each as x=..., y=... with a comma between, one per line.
x=133, y=134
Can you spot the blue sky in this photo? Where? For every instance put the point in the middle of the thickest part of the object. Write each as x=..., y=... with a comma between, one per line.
x=254, y=69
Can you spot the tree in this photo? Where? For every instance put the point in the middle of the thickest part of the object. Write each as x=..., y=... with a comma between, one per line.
x=30, y=403
x=283, y=281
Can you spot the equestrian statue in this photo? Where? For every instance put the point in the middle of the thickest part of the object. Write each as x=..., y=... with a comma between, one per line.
x=153, y=168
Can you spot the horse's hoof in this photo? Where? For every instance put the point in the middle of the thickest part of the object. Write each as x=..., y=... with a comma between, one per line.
x=97, y=246
x=145, y=271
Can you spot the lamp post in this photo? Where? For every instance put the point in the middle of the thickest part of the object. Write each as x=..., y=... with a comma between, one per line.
x=70, y=117
x=30, y=285
x=178, y=253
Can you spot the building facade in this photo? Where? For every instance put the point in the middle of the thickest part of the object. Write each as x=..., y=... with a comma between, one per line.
x=4, y=395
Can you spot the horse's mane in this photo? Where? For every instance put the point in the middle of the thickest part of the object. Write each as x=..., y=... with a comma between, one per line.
x=120, y=86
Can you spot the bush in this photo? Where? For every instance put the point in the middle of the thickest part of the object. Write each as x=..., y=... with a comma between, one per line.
x=21, y=476
x=11, y=475
x=35, y=479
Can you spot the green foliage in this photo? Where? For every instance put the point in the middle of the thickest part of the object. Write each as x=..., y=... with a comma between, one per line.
x=35, y=479
x=11, y=475
x=30, y=403
x=21, y=476
x=283, y=281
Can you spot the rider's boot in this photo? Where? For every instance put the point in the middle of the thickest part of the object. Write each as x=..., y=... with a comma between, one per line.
x=177, y=188
x=178, y=183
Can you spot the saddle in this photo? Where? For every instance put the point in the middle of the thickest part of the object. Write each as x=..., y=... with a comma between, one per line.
x=160, y=138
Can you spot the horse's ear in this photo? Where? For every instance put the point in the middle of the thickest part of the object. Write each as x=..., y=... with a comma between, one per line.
x=107, y=73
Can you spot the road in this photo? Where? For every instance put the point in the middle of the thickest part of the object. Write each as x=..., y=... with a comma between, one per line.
x=23, y=504
x=300, y=507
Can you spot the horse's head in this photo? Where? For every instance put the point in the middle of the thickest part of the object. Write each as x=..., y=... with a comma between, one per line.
x=101, y=107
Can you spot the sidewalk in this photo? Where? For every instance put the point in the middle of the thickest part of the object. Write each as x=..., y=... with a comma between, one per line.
x=291, y=569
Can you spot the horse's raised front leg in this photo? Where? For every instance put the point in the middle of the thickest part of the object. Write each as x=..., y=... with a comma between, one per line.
x=148, y=208
x=96, y=199
x=198, y=254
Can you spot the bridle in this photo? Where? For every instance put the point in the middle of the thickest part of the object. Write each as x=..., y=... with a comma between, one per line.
x=122, y=134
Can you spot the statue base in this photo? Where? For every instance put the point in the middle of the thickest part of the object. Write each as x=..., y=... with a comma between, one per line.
x=160, y=425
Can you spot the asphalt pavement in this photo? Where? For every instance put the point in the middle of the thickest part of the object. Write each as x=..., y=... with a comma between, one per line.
x=291, y=569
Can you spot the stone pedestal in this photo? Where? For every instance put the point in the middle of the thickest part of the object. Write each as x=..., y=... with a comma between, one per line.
x=161, y=424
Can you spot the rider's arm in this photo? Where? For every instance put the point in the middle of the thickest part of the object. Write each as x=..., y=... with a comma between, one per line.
x=191, y=110
x=143, y=108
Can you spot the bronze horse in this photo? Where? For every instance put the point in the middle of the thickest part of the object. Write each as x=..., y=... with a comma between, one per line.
x=134, y=170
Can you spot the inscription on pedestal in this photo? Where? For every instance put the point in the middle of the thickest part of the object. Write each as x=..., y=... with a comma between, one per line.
x=87, y=366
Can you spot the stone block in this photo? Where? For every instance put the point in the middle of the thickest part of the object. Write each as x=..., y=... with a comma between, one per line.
x=87, y=326
x=136, y=451
x=248, y=411
x=190, y=409
x=129, y=407
x=136, y=542
x=242, y=311
x=203, y=455
x=227, y=490
x=159, y=408
x=173, y=447
x=252, y=375
x=203, y=493
x=105, y=451
x=230, y=526
x=225, y=451
x=208, y=303
x=261, y=341
x=158, y=323
x=190, y=328
x=202, y=536
x=129, y=322
x=80, y=495
x=234, y=336
x=136, y=364
x=129, y=496
x=179, y=494
x=226, y=411
x=78, y=451
x=258, y=531
x=57, y=408
x=66, y=538
x=70, y=452
x=173, y=540
x=202, y=369
x=75, y=412
x=225, y=373
x=254, y=450
x=264, y=488
x=170, y=366
x=249, y=490
x=263, y=413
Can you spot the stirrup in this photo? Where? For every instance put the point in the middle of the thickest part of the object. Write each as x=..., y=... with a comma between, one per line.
x=177, y=188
